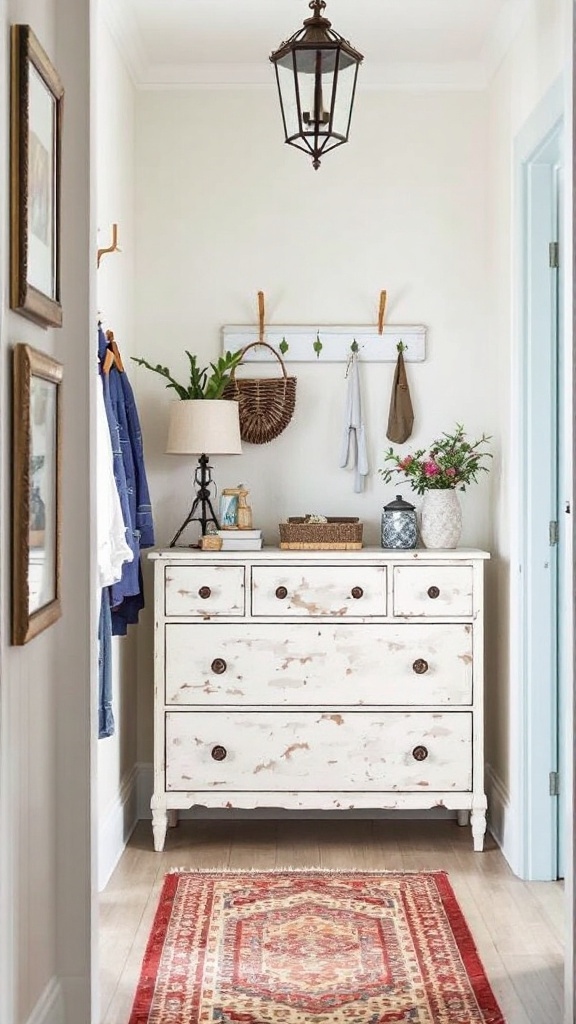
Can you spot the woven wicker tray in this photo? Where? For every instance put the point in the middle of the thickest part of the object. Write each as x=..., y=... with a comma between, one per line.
x=334, y=535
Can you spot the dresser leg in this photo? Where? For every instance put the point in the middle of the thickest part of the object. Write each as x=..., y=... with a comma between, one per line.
x=159, y=826
x=463, y=817
x=478, y=820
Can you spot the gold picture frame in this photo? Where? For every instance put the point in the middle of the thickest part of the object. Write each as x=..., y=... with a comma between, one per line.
x=36, y=105
x=36, y=493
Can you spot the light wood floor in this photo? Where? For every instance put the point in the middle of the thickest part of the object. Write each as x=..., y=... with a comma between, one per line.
x=518, y=926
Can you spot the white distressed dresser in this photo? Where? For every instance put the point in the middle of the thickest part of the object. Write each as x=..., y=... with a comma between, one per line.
x=311, y=679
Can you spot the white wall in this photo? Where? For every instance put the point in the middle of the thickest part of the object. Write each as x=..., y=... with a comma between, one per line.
x=115, y=295
x=532, y=65
x=402, y=207
x=45, y=806
x=224, y=209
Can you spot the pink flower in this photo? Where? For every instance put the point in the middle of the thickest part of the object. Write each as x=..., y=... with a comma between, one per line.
x=406, y=462
x=450, y=472
x=430, y=468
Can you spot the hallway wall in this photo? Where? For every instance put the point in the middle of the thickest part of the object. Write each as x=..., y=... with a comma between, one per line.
x=45, y=697
x=116, y=305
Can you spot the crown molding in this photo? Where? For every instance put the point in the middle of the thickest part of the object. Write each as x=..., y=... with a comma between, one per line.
x=125, y=32
x=506, y=28
x=464, y=75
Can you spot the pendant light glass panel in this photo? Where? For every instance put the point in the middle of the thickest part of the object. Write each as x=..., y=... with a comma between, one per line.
x=288, y=97
x=347, y=75
x=316, y=86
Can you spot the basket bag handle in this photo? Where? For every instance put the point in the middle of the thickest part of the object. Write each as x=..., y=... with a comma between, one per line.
x=253, y=345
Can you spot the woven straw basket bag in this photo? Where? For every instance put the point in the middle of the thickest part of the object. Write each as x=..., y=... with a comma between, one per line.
x=266, y=404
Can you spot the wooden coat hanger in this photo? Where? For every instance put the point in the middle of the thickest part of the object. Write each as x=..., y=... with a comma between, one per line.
x=112, y=357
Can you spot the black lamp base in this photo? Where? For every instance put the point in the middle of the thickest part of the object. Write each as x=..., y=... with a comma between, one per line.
x=202, y=511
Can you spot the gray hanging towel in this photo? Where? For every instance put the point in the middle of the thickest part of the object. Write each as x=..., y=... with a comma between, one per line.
x=354, y=450
x=401, y=415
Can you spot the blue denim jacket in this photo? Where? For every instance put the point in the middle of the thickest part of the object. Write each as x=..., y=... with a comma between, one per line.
x=126, y=596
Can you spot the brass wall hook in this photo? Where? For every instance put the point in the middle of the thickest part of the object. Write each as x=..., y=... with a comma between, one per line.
x=114, y=247
x=261, y=317
x=381, y=312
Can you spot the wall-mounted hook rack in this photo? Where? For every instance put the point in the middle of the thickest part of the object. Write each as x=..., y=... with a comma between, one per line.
x=300, y=343
x=113, y=247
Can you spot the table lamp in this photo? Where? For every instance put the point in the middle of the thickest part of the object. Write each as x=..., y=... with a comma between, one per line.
x=196, y=427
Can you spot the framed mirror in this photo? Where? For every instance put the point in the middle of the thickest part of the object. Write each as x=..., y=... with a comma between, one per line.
x=36, y=472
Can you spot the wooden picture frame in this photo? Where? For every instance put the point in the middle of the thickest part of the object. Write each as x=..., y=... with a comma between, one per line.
x=36, y=493
x=35, y=181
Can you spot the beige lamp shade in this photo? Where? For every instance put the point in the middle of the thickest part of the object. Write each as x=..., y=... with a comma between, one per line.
x=204, y=426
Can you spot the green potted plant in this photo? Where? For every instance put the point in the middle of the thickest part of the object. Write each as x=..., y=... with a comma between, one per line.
x=202, y=383
x=449, y=464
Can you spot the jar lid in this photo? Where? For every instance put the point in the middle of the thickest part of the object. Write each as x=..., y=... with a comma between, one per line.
x=399, y=505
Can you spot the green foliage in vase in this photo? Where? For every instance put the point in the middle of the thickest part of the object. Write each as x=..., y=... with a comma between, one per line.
x=450, y=462
x=202, y=384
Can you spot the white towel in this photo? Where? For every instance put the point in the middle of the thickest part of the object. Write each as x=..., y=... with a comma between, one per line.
x=354, y=450
x=111, y=544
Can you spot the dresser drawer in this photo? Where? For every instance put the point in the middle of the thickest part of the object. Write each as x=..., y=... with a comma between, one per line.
x=319, y=752
x=204, y=590
x=433, y=590
x=318, y=665
x=316, y=590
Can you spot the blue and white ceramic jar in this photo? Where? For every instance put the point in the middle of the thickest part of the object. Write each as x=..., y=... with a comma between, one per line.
x=399, y=525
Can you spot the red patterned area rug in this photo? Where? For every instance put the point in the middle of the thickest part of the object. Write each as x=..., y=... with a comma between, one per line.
x=311, y=947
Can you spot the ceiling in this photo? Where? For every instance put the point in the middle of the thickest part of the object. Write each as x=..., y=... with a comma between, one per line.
x=441, y=43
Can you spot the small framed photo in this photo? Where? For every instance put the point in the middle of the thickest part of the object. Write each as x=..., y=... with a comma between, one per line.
x=35, y=493
x=35, y=156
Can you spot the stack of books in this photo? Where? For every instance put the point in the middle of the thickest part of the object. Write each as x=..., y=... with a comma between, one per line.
x=241, y=540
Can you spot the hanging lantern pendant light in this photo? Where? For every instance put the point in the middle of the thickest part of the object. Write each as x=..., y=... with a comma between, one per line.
x=316, y=73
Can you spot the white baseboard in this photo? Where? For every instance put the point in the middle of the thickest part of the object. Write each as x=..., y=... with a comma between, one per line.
x=116, y=827
x=145, y=786
x=50, y=1007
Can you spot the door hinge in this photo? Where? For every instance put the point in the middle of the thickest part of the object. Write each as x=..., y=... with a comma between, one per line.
x=554, y=784
x=554, y=254
x=553, y=532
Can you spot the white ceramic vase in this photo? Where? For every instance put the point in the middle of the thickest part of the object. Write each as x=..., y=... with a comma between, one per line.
x=441, y=519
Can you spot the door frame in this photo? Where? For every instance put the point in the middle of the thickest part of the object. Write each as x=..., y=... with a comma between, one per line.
x=538, y=604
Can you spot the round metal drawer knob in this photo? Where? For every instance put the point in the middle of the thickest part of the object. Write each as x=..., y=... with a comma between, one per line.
x=420, y=666
x=219, y=666
x=433, y=592
x=219, y=753
x=204, y=593
x=357, y=593
x=420, y=753
x=281, y=593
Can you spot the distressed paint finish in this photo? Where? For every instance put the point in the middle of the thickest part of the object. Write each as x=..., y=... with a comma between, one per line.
x=313, y=752
x=289, y=706
x=225, y=584
x=454, y=584
x=318, y=665
x=319, y=590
